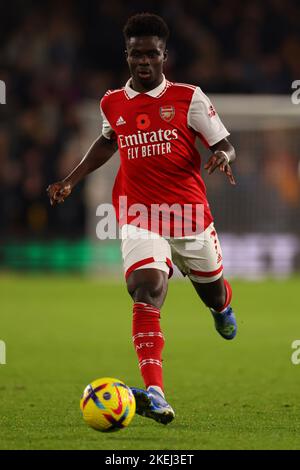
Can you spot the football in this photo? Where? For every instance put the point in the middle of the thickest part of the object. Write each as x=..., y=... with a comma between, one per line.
x=107, y=405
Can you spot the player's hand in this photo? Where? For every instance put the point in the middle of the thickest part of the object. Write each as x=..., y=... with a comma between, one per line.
x=218, y=160
x=58, y=192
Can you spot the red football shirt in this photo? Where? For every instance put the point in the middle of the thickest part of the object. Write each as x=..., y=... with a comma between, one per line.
x=160, y=165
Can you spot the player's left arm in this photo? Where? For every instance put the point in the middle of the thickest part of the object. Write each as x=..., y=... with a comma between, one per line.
x=204, y=119
x=222, y=157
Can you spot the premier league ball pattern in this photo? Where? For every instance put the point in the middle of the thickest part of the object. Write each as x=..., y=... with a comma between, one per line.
x=107, y=405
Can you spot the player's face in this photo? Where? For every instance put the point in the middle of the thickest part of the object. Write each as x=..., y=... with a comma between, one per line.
x=145, y=58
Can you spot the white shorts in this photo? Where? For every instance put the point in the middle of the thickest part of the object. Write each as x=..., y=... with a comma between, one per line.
x=198, y=257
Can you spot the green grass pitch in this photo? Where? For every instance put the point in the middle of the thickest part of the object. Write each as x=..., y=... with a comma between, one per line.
x=63, y=332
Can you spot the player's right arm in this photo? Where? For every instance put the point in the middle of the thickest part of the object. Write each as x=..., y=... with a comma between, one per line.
x=98, y=154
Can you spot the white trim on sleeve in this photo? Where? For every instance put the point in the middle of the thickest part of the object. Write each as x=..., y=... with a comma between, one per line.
x=203, y=118
x=107, y=130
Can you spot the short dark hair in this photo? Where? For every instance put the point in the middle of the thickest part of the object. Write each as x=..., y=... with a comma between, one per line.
x=146, y=24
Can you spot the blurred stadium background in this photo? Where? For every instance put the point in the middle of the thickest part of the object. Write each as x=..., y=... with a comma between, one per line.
x=58, y=58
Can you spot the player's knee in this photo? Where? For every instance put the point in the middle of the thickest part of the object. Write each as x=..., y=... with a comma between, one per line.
x=151, y=293
x=149, y=289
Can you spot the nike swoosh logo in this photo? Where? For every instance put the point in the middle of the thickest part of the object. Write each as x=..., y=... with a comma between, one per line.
x=118, y=410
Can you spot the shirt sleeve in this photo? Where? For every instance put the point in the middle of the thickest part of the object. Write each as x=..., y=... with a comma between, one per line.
x=107, y=130
x=203, y=118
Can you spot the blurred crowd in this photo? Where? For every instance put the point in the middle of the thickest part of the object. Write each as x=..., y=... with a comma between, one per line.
x=55, y=55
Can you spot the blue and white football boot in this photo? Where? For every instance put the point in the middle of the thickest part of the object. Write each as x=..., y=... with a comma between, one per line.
x=152, y=404
x=225, y=323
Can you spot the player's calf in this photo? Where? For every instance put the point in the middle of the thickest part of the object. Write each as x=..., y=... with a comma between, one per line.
x=148, y=341
x=217, y=296
x=148, y=289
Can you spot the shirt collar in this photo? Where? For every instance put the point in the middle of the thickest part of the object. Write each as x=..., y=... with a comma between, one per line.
x=154, y=93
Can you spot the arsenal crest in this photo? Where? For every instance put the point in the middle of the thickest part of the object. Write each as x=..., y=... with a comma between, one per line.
x=167, y=113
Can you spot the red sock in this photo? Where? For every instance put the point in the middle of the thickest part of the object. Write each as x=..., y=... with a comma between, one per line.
x=148, y=341
x=228, y=295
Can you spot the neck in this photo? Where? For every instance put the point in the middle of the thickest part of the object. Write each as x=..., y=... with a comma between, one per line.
x=140, y=87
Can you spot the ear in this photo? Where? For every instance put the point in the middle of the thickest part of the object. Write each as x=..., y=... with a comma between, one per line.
x=166, y=55
x=126, y=54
